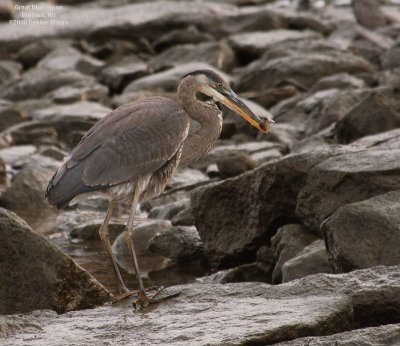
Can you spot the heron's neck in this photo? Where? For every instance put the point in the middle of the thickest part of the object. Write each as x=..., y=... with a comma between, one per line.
x=199, y=142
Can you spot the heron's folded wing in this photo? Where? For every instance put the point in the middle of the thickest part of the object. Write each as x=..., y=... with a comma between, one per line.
x=135, y=139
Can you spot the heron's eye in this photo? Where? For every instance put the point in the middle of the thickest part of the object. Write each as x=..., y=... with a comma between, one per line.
x=219, y=85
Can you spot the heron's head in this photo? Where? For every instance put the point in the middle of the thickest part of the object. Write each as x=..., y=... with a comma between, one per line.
x=213, y=85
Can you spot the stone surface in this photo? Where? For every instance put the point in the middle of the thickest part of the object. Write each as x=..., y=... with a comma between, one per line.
x=364, y=234
x=168, y=211
x=347, y=178
x=199, y=316
x=378, y=111
x=288, y=242
x=232, y=234
x=9, y=71
x=235, y=163
x=183, y=218
x=181, y=244
x=37, y=275
x=313, y=259
x=368, y=13
x=338, y=81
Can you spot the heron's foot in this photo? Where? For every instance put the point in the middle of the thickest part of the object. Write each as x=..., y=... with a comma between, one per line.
x=127, y=294
x=152, y=298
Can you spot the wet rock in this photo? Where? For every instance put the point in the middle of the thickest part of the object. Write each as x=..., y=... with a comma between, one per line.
x=10, y=115
x=303, y=21
x=88, y=111
x=3, y=172
x=26, y=191
x=183, y=218
x=185, y=177
x=265, y=73
x=9, y=71
x=61, y=59
x=384, y=335
x=235, y=163
x=378, y=111
x=15, y=153
x=181, y=244
x=258, y=317
x=346, y=178
x=338, y=81
x=255, y=43
x=313, y=259
x=217, y=54
x=252, y=272
x=288, y=242
x=90, y=231
x=168, y=211
x=117, y=75
x=364, y=234
x=232, y=234
x=390, y=59
x=142, y=234
x=266, y=156
x=85, y=90
x=38, y=275
x=369, y=14
x=168, y=80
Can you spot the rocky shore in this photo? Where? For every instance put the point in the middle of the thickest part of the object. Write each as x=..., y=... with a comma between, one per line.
x=289, y=238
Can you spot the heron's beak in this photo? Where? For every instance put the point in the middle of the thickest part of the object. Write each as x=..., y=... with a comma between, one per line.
x=231, y=100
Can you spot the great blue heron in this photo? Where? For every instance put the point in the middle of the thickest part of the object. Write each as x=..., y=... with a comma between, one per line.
x=131, y=153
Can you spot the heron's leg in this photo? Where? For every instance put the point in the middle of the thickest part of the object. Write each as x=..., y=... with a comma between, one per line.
x=131, y=245
x=105, y=238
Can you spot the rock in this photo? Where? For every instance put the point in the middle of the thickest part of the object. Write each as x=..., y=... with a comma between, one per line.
x=168, y=80
x=117, y=75
x=61, y=59
x=37, y=82
x=200, y=315
x=26, y=192
x=142, y=234
x=37, y=275
x=183, y=218
x=346, y=178
x=181, y=244
x=338, y=81
x=12, y=154
x=85, y=90
x=369, y=14
x=217, y=54
x=232, y=234
x=3, y=172
x=364, y=234
x=168, y=211
x=10, y=115
x=88, y=111
x=382, y=335
x=265, y=73
x=185, y=177
x=6, y=10
x=378, y=112
x=390, y=58
x=313, y=259
x=253, y=44
x=9, y=71
x=266, y=156
x=235, y=163
x=288, y=242
x=252, y=272
x=90, y=231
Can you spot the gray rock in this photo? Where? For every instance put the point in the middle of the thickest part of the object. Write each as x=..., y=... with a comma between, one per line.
x=364, y=234
x=289, y=69
x=84, y=110
x=199, y=316
x=168, y=211
x=36, y=275
x=288, y=242
x=390, y=59
x=252, y=272
x=347, y=178
x=85, y=90
x=235, y=163
x=168, y=80
x=118, y=74
x=10, y=115
x=313, y=259
x=3, y=172
x=90, y=231
x=369, y=14
x=61, y=59
x=231, y=233
x=217, y=54
x=183, y=218
x=15, y=153
x=381, y=335
x=9, y=71
x=255, y=43
x=266, y=156
x=378, y=112
x=181, y=244
x=338, y=81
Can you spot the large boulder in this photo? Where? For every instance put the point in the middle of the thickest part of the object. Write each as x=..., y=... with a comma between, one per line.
x=347, y=178
x=34, y=274
x=365, y=234
x=232, y=233
x=369, y=14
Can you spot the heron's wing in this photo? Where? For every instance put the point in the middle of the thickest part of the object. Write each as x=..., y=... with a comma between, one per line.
x=134, y=139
